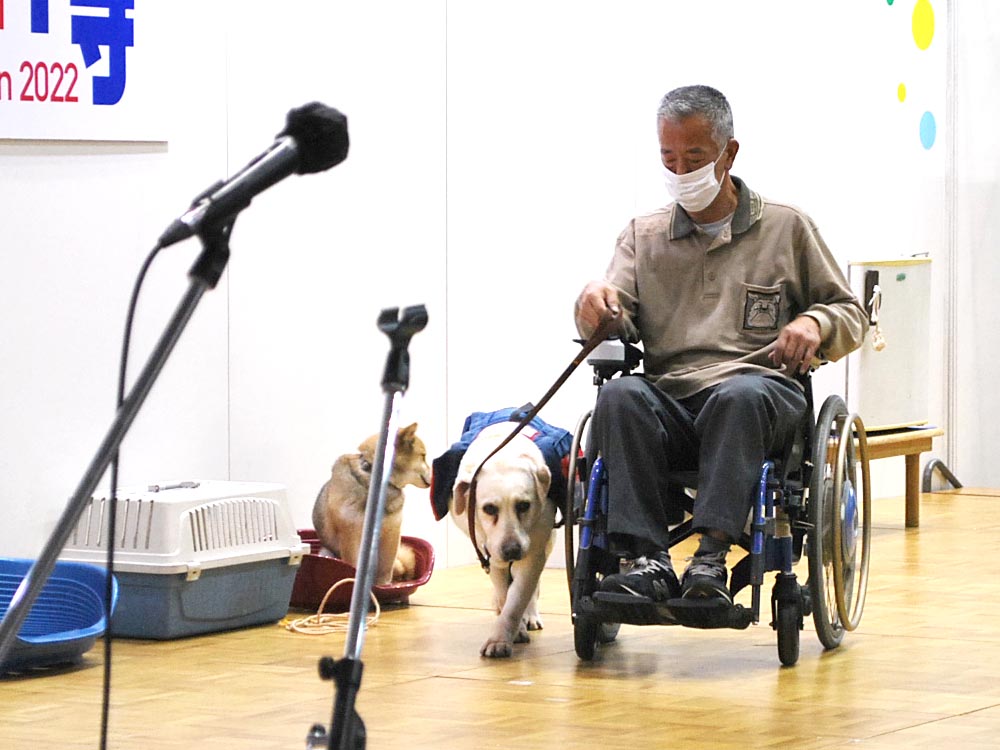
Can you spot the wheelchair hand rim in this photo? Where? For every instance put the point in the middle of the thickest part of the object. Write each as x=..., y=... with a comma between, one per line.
x=850, y=589
x=849, y=522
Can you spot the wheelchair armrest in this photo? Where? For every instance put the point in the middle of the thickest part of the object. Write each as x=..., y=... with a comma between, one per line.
x=613, y=356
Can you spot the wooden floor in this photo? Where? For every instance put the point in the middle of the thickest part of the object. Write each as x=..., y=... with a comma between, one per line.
x=921, y=671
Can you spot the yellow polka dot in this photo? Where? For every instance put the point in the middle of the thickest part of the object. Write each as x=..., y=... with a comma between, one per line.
x=901, y=92
x=923, y=23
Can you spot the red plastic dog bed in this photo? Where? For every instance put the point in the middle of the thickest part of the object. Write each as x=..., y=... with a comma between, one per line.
x=318, y=573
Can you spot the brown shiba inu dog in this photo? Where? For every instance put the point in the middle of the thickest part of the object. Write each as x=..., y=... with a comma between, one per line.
x=339, y=512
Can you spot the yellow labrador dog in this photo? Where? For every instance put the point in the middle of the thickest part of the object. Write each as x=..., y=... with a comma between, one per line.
x=514, y=522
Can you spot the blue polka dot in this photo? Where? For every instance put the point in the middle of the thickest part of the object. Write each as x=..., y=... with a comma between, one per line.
x=928, y=130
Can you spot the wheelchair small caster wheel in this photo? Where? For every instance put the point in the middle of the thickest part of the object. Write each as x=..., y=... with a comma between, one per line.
x=787, y=622
x=585, y=636
x=607, y=632
x=588, y=632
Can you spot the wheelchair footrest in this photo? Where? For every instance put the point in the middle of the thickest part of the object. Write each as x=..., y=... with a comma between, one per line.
x=628, y=609
x=692, y=613
x=709, y=614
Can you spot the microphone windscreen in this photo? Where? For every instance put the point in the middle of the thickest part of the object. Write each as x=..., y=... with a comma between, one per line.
x=320, y=134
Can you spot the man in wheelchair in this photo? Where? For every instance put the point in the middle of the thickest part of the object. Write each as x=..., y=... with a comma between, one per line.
x=731, y=296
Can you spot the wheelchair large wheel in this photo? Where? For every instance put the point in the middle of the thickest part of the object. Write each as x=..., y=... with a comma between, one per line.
x=584, y=568
x=821, y=509
x=851, y=523
x=840, y=522
x=576, y=496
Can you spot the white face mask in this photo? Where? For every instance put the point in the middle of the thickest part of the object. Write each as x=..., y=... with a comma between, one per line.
x=695, y=190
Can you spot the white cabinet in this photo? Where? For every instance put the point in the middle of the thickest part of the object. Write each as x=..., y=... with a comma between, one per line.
x=888, y=386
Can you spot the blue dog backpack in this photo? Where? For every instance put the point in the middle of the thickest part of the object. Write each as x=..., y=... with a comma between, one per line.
x=555, y=444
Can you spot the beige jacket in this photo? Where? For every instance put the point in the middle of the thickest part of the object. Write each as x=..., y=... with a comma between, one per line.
x=706, y=309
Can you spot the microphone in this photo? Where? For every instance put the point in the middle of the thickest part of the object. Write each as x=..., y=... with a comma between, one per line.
x=314, y=139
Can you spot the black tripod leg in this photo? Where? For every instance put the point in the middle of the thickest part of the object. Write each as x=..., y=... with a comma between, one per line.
x=347, y=728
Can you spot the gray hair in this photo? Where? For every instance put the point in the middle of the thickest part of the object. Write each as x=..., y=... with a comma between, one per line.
x=687, y=101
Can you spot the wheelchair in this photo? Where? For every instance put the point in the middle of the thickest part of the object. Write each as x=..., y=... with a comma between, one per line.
x=807, y=503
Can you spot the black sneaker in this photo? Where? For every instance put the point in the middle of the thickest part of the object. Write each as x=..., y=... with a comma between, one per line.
x=705, y=578
x=650, y=577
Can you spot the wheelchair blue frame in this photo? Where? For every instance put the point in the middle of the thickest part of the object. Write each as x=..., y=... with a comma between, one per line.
x=801, y=503
x=596, y=494
x=767, y=553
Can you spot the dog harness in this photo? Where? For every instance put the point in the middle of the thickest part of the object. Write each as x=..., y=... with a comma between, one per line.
x=528, y=415
x=554, y=443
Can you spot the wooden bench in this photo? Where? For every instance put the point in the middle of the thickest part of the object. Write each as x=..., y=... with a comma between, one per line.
x=909, y=442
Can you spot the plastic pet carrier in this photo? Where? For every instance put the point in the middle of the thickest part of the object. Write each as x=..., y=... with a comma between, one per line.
x=194, y=557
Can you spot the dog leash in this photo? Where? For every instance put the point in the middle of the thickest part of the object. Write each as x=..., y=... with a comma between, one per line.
x=599, y=335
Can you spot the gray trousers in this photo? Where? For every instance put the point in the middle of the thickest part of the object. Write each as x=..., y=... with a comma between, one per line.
x=724, y=432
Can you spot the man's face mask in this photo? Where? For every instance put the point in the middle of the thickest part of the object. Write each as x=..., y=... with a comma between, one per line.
x=695, y=190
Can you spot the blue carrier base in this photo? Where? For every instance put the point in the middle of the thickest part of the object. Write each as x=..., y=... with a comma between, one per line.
x=163, y=607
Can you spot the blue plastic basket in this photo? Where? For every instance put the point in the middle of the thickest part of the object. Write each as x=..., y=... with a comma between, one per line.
x=66, y=618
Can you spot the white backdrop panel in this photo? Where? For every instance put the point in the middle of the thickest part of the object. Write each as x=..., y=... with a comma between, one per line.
x=552, y=148
x=977, y=427
x=317, y=259
x=497, y=150
x=78, y=220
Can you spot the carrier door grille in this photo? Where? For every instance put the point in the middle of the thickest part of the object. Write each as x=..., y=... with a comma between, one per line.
x=233, y=523
x=133, y=525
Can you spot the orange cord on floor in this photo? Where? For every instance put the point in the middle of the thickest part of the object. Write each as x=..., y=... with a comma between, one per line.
x=323, y=624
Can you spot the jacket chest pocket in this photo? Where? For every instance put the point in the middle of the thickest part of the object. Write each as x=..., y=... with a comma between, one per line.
x=761, y=309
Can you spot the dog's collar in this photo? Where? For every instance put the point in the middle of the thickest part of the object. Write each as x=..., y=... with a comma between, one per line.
x=366, y=467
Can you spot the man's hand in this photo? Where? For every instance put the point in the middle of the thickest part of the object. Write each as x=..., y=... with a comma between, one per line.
x=596, y=301
x=797, y=344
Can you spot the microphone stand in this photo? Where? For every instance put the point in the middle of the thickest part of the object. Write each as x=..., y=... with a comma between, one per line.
x=347, y=728
x=204, y=275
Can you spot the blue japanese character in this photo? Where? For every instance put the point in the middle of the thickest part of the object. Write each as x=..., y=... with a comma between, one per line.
x=39, y=16
x=113, y=31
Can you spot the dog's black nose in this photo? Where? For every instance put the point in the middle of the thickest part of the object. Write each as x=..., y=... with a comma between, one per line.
x=512, y=552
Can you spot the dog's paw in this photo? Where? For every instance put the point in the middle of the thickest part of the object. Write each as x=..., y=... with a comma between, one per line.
x=497, y=649
x=404, y=568
x=533, y=622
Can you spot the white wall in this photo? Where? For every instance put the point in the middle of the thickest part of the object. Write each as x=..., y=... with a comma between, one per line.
x=319, y=259
x=497, y=150
x=77, y=221
x=977, y=237
x=552, y=148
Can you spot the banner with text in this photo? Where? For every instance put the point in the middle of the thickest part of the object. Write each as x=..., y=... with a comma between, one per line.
x=79, y=70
